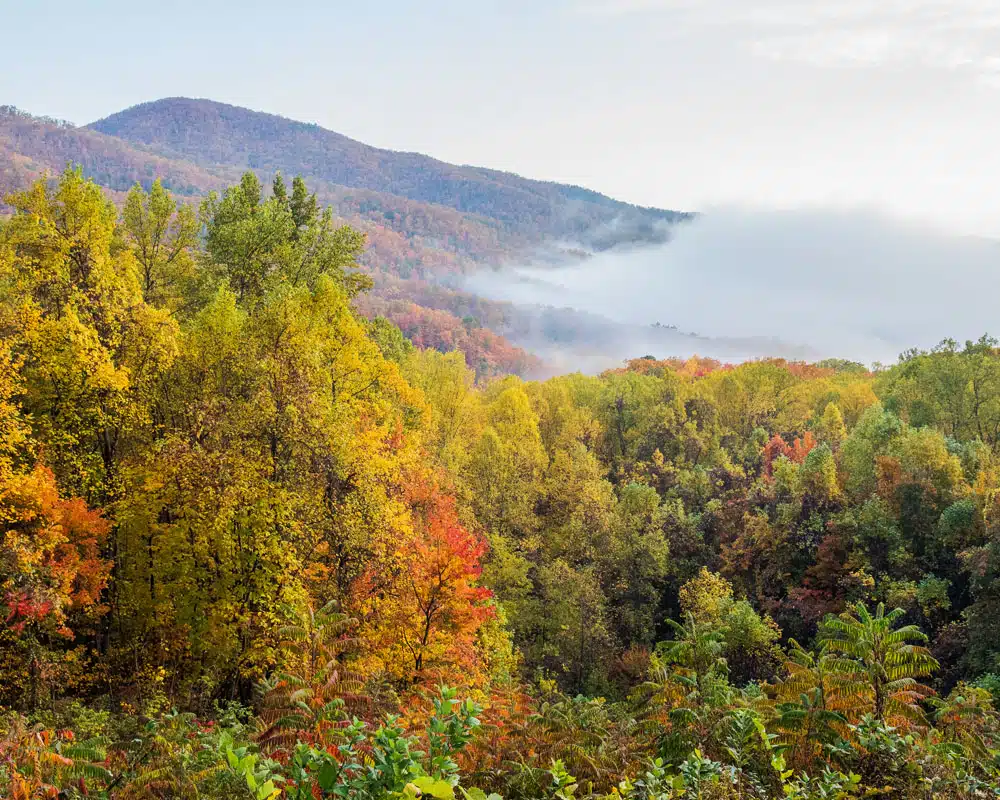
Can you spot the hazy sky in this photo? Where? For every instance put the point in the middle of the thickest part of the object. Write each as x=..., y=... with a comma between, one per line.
x=677, y=103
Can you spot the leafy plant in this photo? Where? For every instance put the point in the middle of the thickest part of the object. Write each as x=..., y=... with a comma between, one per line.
x=875, y=664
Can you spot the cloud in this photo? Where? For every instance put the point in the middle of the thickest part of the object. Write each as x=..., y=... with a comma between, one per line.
x=954, y=35
x=850, y=284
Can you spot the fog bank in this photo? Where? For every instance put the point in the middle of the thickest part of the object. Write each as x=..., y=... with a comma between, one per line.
x=817, y=283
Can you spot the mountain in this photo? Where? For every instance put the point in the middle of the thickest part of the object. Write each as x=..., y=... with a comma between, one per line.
x=30, y=146
x=429, y=224
x=211, y=134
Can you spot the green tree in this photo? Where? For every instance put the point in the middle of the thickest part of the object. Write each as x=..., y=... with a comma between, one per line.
x=257, y=244
x=818, y=475
x=304, y=208
x=163, y=236
x=831, y=429
x=278, y=190
x=635, y=564
x=506, y=467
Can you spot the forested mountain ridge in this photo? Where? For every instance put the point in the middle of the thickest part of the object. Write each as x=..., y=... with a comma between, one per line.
x=212, y=133
x=32, y=145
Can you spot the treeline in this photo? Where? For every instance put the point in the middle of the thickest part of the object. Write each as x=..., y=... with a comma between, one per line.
x=251, y=538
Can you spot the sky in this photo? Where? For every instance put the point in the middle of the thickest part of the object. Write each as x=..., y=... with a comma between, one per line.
x=688, y=104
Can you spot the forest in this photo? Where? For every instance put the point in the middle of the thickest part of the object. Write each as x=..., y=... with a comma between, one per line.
x=256, y=544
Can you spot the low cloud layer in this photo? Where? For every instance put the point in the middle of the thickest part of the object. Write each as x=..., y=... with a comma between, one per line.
x=816, y=283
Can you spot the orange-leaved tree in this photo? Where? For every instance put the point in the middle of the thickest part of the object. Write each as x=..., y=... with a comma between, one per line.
x=424, y=626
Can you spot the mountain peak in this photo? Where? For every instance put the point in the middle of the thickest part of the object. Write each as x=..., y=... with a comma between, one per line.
x=214, y=134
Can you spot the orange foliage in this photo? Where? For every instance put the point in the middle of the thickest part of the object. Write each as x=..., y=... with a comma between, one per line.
x=889, y=477
x=773, y=450
x=424, y=626
x=694, y=367
x=800, y=369
x=796, y=452
x=52, y=564
x=801, y=447
x=485, y=352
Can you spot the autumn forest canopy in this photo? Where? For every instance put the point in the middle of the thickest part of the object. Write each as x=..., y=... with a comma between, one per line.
x=258, y=543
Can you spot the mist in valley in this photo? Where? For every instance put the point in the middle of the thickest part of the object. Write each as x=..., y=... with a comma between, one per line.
x=737, y=284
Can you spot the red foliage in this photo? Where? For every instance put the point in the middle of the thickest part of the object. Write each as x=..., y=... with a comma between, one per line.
x=445, y=565
x=423, y=619
x=824, y=586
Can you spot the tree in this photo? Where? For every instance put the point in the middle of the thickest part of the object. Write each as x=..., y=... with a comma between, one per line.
x=818, y=476
x=875, y=431
x=163, y=236
x=565, y=631
x=278, y=190
x=51, y=566
x=423, y=622
x=876, y=664
x=956, y=389
x=457, y=415
x=635, y=563
x=749, y=640
x=91, y=350
x=303, y=206
x=807, y=716
x=504, y=472
x=52, y=545
x=831, y=429
x=256, y=244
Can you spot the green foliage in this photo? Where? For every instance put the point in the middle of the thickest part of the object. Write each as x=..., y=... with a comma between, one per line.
x=876, y=663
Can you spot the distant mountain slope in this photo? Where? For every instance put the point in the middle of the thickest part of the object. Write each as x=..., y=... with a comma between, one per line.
x=30, y=146
x=409, y=241
x=212, y=134
x=402, y=230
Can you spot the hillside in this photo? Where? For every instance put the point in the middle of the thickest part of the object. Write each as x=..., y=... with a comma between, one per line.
x=210, y=133
x=31, y=145
x=429, y=224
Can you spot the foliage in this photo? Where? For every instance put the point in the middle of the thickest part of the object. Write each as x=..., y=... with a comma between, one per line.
x=876, y=663
x=220, y=483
